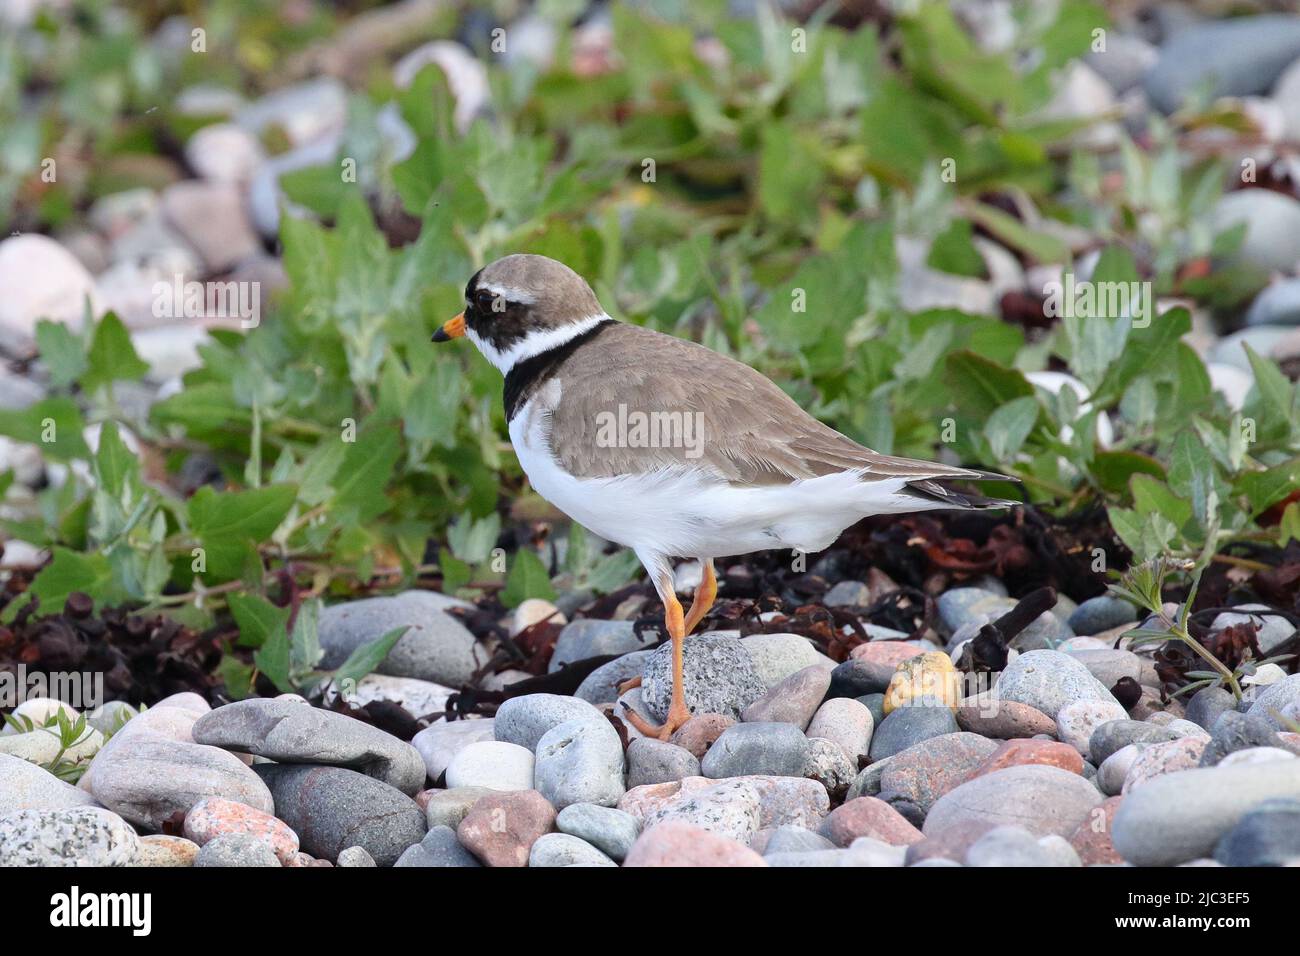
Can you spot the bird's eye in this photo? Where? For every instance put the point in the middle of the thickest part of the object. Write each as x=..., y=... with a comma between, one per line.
x=486, y=301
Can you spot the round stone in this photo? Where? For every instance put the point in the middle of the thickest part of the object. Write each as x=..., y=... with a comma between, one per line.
x=609, y=830
x=439, y=848
x=1114, y=735
x=776, y=656
x=793, y=700
x=580, y=761
x=679, y=844
x=1041, y=799
x=588, y=637
x=757, y=748
x=928, y=675
x=990, y=716
x=846, y=722
x=656, y=761
x=438, y=743
x=500, y=830
x=908, y=726
x=73, y=836
x=524, y=720
x=1268, y=835
x=236, y=850
x=1075, y=722
x=869, y=817
x=1048, y=680
x=563, y=849
x=1156, y=760
x=215, y=817
x=718, y=677
x=492, y=764
x=1101, y=613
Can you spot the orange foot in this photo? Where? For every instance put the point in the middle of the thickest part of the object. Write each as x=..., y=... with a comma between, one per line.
x=677, y=715
x=627, y=685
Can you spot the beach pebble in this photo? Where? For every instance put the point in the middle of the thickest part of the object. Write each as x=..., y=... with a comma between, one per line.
x=989, y=716
x=446, y=808
x=1048, y=680
x=907, y=726
x=1023, y=753
x=25, y=786
x=439, y=848
x=72, y=836
x=157, y=850
x=923, y=773
x=588, y=637
x=355, y=856
x=500, y=830
x=776, y=656
x=332, y=808
x=237, y=850
x=1076, y=722
x=846, y=722
x=870, y=817
x=790, y=840
x=1101, y=613
x=1092, y=838
x=438, y=743
x=492, y=764
x=610, y=831
x=926, y=676
x=1114, y=769
x=214, y=817
x=1234, y=731
x=1274, y=699
x=601, y=685
x=698, y=734
x=1268, y=835
x=719, y=677
x=656, y=761
x=524, y=720
x=580, y=761
x=757, y=748
x=1114, y=735
x=675, y=843
x=793, y=700
x=1014, y=846
x=1159, y=759
x=563, y=849
x=1041, y=799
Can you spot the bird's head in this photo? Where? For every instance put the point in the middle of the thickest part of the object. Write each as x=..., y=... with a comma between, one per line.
x=520, y=306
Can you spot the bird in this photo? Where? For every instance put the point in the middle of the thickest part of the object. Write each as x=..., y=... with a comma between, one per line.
x=669, y=448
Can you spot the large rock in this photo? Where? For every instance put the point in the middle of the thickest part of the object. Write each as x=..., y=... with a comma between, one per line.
x=601, y=685
x=73, y=836
x=1182, y=816
x=437, y=647
x=25, y=786
x=290, y=732
x=1234, y=57
x=580, y=761
x=757, y=748
x=1039, y=798
x=719, y=677
x=332, y=808
x=1048, y=680
x=776, y=656
x=525, y=720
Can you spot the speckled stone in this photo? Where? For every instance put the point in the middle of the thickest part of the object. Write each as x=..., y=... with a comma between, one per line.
x=1048, y=680
x=1159, y=759
x=214, y=817
x=446, y=808
x=564, y=849
x=923, y=773
x=776, y=656
x=1110, y=737
x=1041, y=799
x=679, y=844
x=356, y=856
x=1075, y=722
x=157, y=850
x=829, y=765
x=237, y=850
x=439, y=848
x=719, y=677
x=72, y=836
x=25, y=786
x=656, y=761
x=846, y=722
x=782, y=801
x=757, y=748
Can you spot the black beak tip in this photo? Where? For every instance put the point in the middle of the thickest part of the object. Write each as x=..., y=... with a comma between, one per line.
x=441, y=336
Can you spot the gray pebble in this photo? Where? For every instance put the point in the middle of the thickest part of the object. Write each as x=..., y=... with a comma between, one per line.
x=757, y=748
x=1207, y=704
x=611, y=831
x=441, y=848
x=1114, y=735
x=719, y=677
x=1101, y=613
x=238, y=850
x=564, y=849
x=601, y=685
x=1268, y=835
x=588, y=637
x=907, y=726
x=656, y=761
x=526, y=719
x=580, y=761
x=355, y=856
x=1048, y=680
x=72, y=836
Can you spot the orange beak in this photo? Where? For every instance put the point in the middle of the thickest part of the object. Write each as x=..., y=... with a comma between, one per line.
x=451, y=329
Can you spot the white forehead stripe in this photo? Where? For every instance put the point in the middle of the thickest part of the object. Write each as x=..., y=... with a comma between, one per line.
x=534, y=343
x=509, y=293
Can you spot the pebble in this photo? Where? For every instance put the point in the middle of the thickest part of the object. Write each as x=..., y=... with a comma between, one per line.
x=1275, y=635
x=214, y=817
x=1268, y=835
x=793, y=700
x=698, y=734
x=1235, y=731
x=534, y=611
x=1111, y=666
x=1114, y=735
x=72, y=836
x=845, y=722
x=43, y=746
x=150, y=771
x=1272, y=221
x=1048, y=680
x=989, y=716
x=333, y=808
x=929, y=675
x=439, y=848
x=524, y=720
x=25, y=786
x=869, y=817
x=588, y=637
x=493, y=764
x=436, y=647
x=438, y=743
x=601, y=685
x=580, y=761
x=356, y=856
x=419, y=698
x=888, y=653
x=609, y=830
x=1101, y=613
x=830, y=766
x=448, y=807
x=790, y=840
x=657, y=761
x=37, y=712
x=210, y=216
x=923, y=773
x=1231, y=57
x=157, y=850
x=236, y=849
x=1026, y=753
x=776, y=656
x=1156, y=760
x=42, y=280
x=847, y=594
x=563, y=849
x=719, y=677
x=1114, y=770
x=675, y=843
x=1182, y=816
x=857, y=677
x=1092, y=838
x=757, y=748
x=1274, y=699
x=288, y=732
x=780, y=800
x=224, y=153
x=1255, y=755
x=1041, y=799
x=1015, y=846
x=908, y=726
x=111, y=716
x=1076, y=722
x=500, y=830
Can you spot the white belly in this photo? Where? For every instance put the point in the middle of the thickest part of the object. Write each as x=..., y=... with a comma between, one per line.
x=685, y=513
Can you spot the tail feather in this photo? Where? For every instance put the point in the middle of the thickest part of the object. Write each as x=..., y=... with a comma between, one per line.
x=932, y=490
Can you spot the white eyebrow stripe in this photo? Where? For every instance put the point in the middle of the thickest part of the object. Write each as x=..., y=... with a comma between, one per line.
x=509, y=293
x=535, y=342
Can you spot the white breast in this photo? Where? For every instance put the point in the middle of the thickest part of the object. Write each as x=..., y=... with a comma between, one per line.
x=683, y=512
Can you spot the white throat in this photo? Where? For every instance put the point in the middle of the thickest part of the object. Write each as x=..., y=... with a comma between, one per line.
x=534, y=343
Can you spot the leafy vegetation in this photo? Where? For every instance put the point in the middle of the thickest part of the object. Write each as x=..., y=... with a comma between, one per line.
x=740, y=191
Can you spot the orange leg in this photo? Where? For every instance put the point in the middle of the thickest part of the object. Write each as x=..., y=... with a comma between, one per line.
x=705, y=595
x=677, y=712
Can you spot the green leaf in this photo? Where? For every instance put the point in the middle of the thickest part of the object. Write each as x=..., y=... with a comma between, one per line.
x=1275, y=398
x=1153, y=496
x=1145, y=535
x=229, y=523
x=980, y=385
x=362, y=479
x=527, y=579
x=67, y=572
x=257, y=618
x=365, y=658
x=236, y=675
x=112, y=357
x=953, y=251
x=272, y=659
x=1113, y=469
x=1144, y=350
x=61, y=352
x=1009, y=426
x=114, y=462
x=55, y=425
x=1267, y=487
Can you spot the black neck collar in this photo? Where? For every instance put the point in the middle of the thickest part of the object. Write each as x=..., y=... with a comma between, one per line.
x=524, y=377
